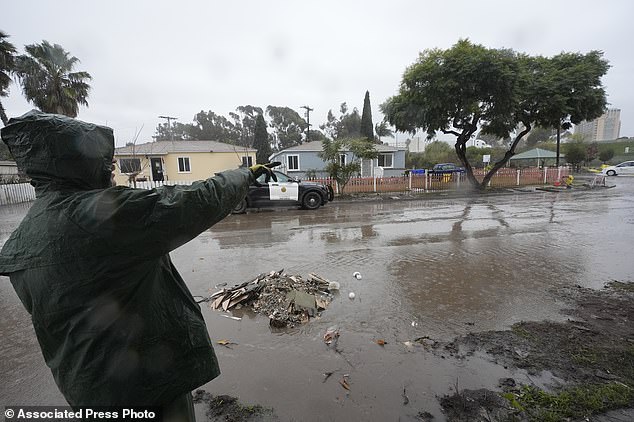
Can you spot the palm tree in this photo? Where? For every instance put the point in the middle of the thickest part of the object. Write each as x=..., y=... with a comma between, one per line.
x=382, y=129
x=7, y=64
x=48, y=81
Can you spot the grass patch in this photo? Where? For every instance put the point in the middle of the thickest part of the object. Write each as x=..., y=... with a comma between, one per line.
x=520, y=331
x=619, y=285
x=585, y=357
x=573, y=402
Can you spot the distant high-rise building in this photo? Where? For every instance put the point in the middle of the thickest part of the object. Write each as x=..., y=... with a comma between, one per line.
x=605, y=128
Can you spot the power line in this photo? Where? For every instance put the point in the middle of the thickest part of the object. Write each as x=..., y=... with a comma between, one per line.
x=169, y=126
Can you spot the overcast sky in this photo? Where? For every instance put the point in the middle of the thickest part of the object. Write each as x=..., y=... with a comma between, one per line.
x=176, y=58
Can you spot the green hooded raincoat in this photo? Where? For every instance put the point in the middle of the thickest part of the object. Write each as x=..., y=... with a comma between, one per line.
x=116, y=323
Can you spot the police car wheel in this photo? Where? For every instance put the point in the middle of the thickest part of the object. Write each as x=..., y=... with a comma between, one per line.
x=311, y=201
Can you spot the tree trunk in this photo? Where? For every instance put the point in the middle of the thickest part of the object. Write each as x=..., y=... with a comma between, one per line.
x=3, y=115
x=505, y=159
x=461, y=151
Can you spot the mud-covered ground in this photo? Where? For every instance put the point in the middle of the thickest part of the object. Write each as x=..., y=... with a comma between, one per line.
x=591, y=356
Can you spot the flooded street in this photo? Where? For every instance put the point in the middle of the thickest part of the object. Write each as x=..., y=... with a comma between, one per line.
x=437, y=267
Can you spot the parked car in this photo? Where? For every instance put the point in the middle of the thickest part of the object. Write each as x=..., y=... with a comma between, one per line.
x=447, y=168
x=286, y=192
x=626, y=167
x=442, y=168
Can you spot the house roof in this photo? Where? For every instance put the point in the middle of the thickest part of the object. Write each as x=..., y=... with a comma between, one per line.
x=166, y=147
x=316, y=146
x=8, y=163
x=536, y=153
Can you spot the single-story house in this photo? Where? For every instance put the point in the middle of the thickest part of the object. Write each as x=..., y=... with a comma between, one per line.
x=303, y=161
x=179, y=161
x=536, y=157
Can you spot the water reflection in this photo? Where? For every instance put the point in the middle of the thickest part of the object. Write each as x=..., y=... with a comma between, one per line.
x=484, y=270
x=262, y=229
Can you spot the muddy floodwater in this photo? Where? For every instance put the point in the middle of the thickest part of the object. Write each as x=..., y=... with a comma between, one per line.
x=437, y=267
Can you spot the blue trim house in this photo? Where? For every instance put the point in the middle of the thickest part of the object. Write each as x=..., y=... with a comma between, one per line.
x=304, y=159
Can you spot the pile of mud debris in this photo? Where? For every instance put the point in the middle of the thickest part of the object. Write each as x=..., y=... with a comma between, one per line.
x=287, y=300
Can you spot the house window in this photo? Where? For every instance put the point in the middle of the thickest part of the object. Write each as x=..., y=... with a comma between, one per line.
x=130, y=165
x=247, y=161
x=386, y=160
x=292, y=162
x=342, y=159
x=183, y=165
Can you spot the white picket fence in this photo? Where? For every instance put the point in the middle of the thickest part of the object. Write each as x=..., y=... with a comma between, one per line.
x=16, y=193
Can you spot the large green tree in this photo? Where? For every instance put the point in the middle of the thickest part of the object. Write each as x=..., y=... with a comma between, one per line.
x=346, y=126
x=366, y=127
x=244, y=121
x=287, y=126
x=458, y=90
x=210, y=126
x=261, y=140
x=317, y=135
x=7, y=66
x=48, y=80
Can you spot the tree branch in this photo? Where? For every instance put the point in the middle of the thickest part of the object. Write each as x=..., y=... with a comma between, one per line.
x=450, y=132
x=507, y=155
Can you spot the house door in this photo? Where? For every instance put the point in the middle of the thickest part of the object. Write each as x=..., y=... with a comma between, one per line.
x=157, y=169
x=366, y=167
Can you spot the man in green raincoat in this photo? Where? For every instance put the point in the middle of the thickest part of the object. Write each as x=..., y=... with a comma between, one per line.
x=115, y=321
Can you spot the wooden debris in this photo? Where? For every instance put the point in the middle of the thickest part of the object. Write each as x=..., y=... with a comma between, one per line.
x=344, y=382
x=286, y=299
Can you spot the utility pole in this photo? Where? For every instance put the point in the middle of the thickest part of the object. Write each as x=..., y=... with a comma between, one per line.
x=558, y=140
x=308, y=110
x=169, y=126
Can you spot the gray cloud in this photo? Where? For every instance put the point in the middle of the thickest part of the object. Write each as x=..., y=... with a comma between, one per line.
x=150, y=58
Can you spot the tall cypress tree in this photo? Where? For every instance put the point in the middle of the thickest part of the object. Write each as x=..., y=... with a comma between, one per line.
x=367, y=128
x=261, y=141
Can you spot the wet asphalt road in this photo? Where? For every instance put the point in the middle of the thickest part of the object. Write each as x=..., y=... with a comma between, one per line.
x=432, y=267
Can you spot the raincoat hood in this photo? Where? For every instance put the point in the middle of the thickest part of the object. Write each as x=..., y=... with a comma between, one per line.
x=60, y=153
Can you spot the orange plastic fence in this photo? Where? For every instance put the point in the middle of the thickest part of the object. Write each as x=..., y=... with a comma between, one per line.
x=506, y=177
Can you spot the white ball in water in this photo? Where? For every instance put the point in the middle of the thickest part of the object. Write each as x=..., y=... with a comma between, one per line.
x=351, y=295
x=357, y=275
